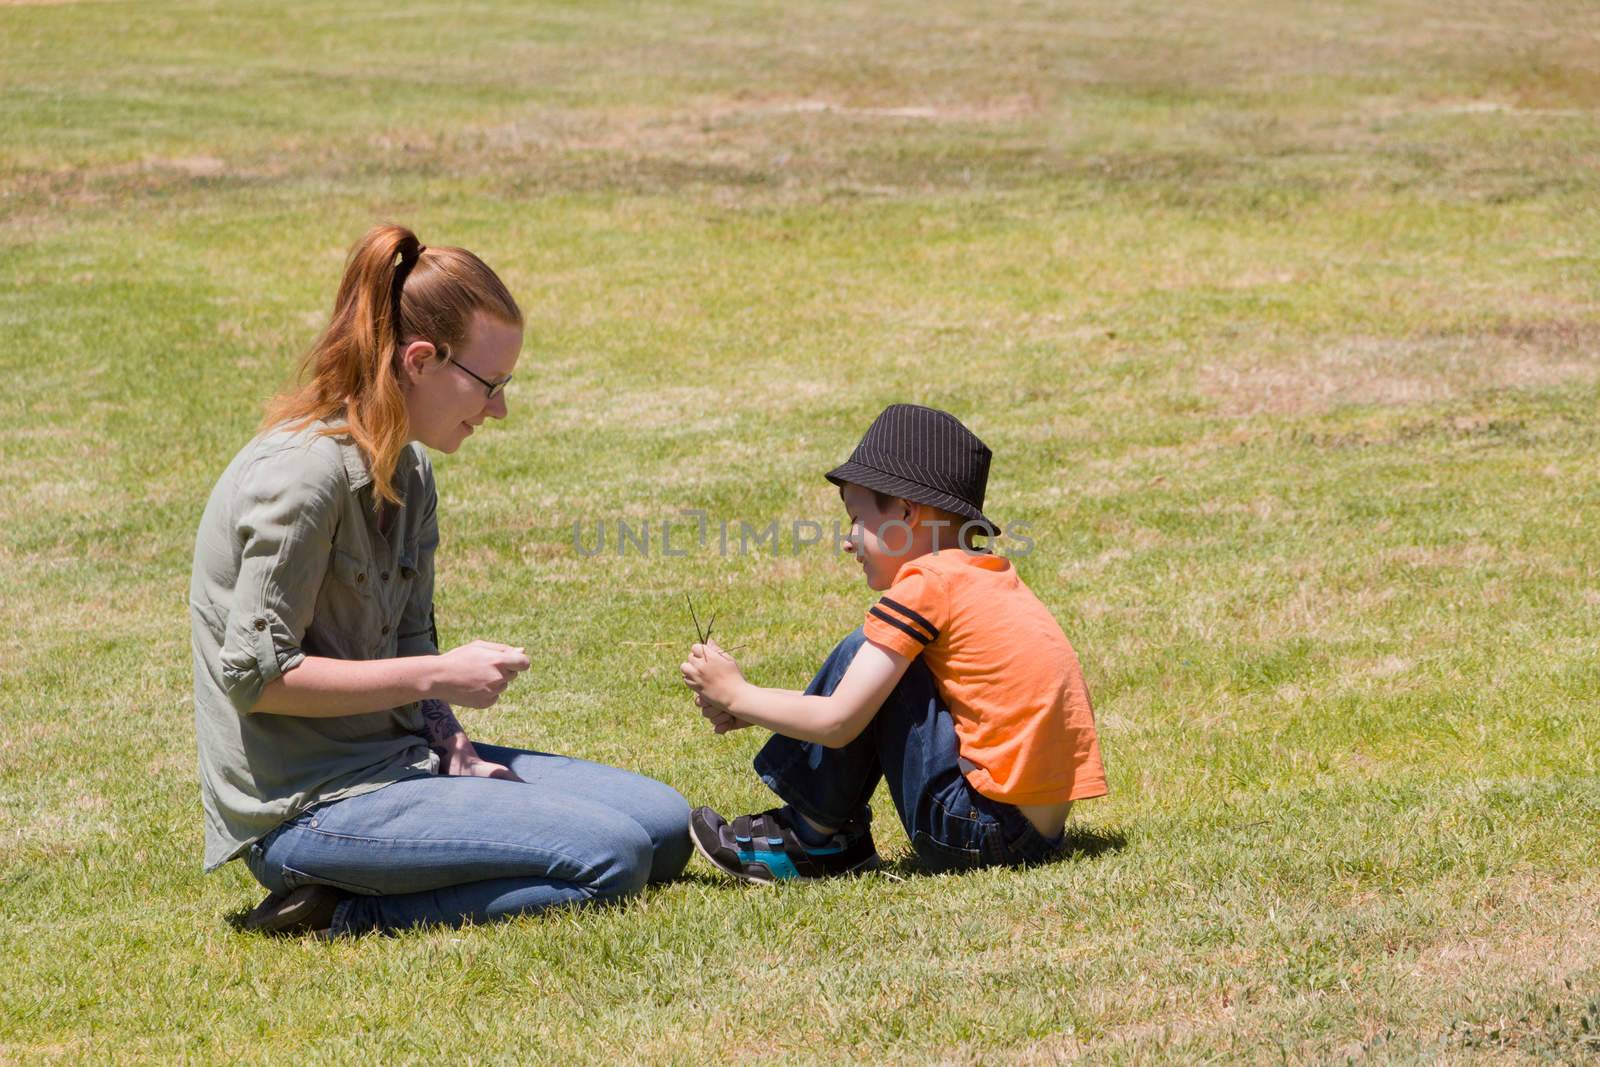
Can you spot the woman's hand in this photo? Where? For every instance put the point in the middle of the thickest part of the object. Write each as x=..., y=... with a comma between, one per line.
x=465, y=762
x=712, y=674
x=456, y=752
x=475, y=674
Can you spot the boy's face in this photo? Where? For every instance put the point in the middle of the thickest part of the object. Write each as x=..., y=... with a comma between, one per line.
x=879, y=537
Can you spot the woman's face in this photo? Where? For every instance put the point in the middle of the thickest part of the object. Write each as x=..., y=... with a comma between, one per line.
x=444, y=403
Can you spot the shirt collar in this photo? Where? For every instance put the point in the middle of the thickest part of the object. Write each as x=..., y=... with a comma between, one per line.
x=355, y=464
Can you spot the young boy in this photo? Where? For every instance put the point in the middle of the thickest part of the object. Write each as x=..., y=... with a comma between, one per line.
x=960, y=691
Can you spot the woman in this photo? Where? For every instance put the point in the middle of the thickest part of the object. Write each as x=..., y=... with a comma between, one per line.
x=329, y=756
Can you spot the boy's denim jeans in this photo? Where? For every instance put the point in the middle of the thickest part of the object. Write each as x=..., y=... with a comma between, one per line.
x=910, y=744
x=444, y=850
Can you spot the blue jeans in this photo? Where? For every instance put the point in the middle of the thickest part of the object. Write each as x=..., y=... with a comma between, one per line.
x=445, y=850
x=910, y=745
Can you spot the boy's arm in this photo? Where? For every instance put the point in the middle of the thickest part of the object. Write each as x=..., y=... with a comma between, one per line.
x=833, y=721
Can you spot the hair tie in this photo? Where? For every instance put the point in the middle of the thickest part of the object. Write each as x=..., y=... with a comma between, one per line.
x=398, y=284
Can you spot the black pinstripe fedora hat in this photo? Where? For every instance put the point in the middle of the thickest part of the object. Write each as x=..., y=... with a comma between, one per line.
x=923, y=455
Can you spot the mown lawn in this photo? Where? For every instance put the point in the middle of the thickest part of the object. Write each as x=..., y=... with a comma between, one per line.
x=1280, y=318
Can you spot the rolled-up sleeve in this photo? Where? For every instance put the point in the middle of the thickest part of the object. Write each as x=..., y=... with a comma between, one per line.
x=418, y=636
x=285, y=514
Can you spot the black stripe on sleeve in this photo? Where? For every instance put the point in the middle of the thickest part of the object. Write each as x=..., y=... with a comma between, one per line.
x=913, y=616
x=878, y=612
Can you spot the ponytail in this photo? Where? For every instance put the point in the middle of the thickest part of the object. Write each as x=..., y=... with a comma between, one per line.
x=394, y=291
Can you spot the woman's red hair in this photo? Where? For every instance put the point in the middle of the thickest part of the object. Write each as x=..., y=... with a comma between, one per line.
x=394, y=291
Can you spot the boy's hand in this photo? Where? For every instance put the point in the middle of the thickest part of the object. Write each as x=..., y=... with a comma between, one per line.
x=720, y=718
x=712, y=674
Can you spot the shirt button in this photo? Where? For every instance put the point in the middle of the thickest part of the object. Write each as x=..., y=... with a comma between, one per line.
x=361, y=577
x=386, y=631
x=385, y=576
x=261, y=624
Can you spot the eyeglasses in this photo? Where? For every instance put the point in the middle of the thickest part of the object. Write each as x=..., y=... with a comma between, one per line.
x=493, y=389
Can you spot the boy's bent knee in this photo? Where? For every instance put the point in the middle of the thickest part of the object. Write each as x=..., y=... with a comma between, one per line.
x=851, y=643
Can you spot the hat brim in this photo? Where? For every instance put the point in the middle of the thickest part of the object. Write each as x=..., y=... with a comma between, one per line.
x=872, y=478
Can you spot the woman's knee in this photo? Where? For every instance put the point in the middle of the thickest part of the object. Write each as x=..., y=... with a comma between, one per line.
x=661, y=812
x=655, y=805
x=669, y=833
x=621, y=862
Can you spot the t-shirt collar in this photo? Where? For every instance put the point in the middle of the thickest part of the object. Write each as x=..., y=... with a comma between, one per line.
x=989, y=561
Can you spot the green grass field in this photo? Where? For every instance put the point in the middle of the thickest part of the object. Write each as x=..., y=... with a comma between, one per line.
x=1280, y=318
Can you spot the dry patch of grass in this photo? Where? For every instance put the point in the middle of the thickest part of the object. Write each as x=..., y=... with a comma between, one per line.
x=1408, y=372
x=1515, y=931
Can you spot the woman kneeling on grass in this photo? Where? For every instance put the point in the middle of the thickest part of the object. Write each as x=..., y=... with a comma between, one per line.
x=329, y=756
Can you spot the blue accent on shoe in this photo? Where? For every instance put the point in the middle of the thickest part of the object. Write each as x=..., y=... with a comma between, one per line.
x=775, y=854
x=760, y=855
x=779, y=863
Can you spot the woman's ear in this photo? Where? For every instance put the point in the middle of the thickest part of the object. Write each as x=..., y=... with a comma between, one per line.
x=414, y=359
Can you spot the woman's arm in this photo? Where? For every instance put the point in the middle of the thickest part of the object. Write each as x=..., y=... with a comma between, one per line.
x=473, y=675
x=833, y=721
x=320, y=687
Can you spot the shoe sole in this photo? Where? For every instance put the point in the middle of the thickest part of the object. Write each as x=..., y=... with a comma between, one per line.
x=868, y=865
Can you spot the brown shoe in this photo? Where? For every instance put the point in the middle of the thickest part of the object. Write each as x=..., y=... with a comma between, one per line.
x=305, y=910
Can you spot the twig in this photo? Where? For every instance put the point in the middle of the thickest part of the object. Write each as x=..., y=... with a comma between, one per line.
x=696, y=618
x=705, y=635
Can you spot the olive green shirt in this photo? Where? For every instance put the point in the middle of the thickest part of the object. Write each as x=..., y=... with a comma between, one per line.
x=289, y=563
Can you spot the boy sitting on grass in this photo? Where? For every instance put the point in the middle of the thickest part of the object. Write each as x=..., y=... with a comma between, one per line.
x=960, y=690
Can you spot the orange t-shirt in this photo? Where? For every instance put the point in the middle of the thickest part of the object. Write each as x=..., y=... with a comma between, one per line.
x=1013, y=684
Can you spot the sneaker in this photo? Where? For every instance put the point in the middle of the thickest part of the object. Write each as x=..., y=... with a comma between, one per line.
x=308, y=909
x=763, y=849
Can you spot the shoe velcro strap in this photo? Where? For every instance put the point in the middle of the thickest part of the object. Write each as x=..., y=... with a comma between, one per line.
x=763, y=829
x=767, y=832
